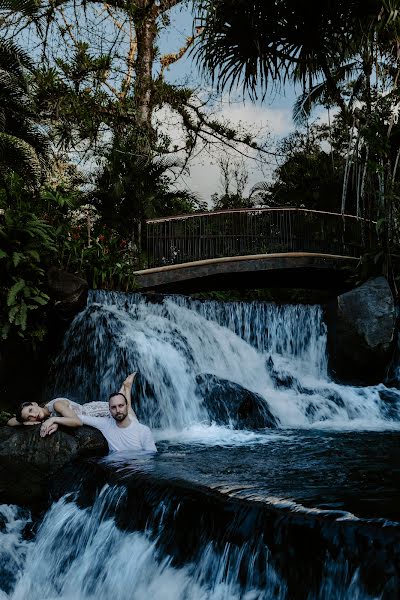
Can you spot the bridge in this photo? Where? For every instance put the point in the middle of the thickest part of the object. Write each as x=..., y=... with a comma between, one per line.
x=253, y=248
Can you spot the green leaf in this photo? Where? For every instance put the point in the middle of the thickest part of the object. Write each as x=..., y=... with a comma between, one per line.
x=14, y=291
x=12, y=313
x=3, y=254
x=34, y=254
x=24, y=315
x=16, y=258
x=41, y=300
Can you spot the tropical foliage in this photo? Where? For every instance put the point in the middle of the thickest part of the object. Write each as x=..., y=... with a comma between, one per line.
x=344, y=54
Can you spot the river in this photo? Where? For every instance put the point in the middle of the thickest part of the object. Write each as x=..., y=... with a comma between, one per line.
x=308, y=508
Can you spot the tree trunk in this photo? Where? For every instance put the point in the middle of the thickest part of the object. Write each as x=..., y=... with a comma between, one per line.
x=146, y=33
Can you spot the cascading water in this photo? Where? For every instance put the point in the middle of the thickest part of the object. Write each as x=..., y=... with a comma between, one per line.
x=276, y=352
x=82, y=554
x=279, y=513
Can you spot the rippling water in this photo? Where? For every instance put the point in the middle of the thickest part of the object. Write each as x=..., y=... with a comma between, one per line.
x=334, y=458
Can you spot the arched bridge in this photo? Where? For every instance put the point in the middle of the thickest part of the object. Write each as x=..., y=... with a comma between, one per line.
x=253, y=248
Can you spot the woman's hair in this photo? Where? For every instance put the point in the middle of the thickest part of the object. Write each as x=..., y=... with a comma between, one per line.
x=18, y=414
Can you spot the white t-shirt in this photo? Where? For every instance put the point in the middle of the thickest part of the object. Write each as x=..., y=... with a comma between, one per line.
x=134, y=437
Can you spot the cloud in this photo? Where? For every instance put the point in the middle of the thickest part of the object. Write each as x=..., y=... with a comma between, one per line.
x=260, y=120
x=278, y=121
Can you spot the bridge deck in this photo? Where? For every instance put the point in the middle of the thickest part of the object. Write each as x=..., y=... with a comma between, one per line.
x=290, y=269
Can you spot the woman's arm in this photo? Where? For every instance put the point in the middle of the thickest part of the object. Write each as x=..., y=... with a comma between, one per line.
x=67, y=417
x=14, y=423
x=126, y=389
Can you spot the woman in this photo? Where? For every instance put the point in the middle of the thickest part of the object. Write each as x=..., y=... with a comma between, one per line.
x=62, y=411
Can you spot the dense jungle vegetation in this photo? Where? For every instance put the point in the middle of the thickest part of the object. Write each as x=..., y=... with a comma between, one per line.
x=85, y=158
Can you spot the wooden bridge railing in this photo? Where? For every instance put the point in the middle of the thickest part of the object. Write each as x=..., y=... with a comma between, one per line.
x=240, y=232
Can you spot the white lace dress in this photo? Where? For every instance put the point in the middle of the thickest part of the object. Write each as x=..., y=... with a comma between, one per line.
x=90, y=409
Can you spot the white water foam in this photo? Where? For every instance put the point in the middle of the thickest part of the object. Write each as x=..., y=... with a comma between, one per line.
x=276, y=352
x=80, y=554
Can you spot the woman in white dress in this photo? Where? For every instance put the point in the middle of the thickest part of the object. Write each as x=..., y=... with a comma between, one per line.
x=31, y=413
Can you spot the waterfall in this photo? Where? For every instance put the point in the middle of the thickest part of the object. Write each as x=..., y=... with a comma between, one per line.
x=276, y=352
x=300, y=506
x=81, y=554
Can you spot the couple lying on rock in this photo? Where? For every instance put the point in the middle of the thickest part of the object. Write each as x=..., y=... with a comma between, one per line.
x=122, y=432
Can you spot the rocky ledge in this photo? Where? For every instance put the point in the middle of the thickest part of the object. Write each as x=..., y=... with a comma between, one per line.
x=27, y=461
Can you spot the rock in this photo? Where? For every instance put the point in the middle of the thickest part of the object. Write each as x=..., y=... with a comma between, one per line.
x=27, y=461
x=4, y=417
x=391, y=403
x=281, y=379
x=361, y=333
x=68, y=291
x=229, y=402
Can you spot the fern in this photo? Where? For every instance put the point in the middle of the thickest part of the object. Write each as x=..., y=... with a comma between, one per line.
x=14, y=291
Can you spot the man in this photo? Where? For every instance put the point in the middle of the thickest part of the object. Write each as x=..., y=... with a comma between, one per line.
x=122, y=432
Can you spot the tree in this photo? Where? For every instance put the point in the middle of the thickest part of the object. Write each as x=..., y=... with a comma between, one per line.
x=261, y=43
x=234, y=178
x=345, y=55
x=103, y=95
x=23, y=148
x=130, y=189
x=309, y=176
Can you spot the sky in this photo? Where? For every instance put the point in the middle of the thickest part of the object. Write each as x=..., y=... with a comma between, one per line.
x=272, y=114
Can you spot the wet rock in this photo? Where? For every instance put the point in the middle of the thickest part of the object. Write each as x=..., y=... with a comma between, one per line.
x=281, y=379
x=230, y=403
x=361, y=333
x=332, y=396
x=27, y=461
x=68, y=291
x=391, y=400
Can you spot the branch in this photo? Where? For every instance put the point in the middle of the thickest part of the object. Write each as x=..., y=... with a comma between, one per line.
x=169, y=59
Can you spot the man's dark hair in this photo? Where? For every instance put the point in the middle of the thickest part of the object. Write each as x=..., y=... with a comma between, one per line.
x=18, y=414
x=118, y=394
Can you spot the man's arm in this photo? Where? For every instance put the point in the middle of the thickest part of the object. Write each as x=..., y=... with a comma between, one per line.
x=126, y=389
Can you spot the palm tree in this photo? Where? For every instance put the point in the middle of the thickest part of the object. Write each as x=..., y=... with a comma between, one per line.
x=258, y=42
x=23, y=148
x=344, y=53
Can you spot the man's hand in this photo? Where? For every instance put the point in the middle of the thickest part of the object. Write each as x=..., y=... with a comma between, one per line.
x=130, y=379
x=48, y=427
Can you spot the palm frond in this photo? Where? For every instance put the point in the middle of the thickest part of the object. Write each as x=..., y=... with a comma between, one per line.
x=13, y=59
x=321, y=93
x=257, y=43
x=28, y=8
x=19, y=156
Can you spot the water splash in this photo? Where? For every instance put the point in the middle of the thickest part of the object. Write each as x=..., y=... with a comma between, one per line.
x=81, y=554
x=277, y=352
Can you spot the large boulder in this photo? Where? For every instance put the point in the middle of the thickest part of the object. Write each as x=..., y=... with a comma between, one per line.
x=68, y=291
x=362, y=332
x=230, y=403
x=27, y=461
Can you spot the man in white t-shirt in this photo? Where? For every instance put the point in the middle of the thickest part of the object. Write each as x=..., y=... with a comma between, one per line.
x=123, y=431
